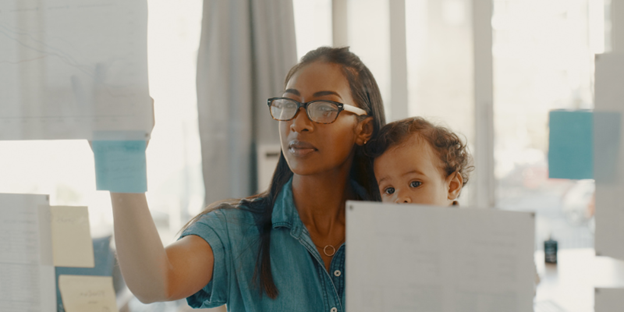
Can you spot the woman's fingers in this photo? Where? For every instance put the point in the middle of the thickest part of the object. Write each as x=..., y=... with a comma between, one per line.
x=153, y=115
x=153, y=122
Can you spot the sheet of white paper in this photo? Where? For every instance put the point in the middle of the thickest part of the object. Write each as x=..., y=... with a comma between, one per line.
x=87, y=293
x=26, y=269
x=419, y=258
x=609, y=299
x=72, y=67
x=71, y=237
x=609, y=205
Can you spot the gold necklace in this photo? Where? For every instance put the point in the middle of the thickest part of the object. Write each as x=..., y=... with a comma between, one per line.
x=333, y=251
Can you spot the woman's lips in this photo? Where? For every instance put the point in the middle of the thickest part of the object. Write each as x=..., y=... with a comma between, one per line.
x=300, y=148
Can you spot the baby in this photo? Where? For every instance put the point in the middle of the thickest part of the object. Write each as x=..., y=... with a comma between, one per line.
x=419, y=163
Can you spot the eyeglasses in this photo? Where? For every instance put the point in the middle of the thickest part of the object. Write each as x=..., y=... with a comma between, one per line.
x=321, y=111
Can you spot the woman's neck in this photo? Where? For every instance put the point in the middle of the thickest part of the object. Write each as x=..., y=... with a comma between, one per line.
x=320, y=200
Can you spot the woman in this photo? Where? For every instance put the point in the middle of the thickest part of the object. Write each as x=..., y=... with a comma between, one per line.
x=282, y=250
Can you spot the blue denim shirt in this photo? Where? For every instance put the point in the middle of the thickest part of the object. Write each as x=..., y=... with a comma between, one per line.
x=298, y=270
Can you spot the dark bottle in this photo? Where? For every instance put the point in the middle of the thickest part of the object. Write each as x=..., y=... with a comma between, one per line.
x=550, y=251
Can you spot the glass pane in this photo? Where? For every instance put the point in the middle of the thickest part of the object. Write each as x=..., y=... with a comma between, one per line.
x=543, y=60
x=313, y=24
x=440, y=66
x=65, y=169
x=176, y=188
x=368, y=31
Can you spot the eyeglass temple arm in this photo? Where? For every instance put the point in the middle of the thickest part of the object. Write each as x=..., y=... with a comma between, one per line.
x=354, y=109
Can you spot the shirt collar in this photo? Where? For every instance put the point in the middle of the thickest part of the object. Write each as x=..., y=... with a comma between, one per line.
x=285, y=213
x=284, y=208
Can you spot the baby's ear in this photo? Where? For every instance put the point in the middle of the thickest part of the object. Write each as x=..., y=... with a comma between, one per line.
x=364, y=131
x=454, y=183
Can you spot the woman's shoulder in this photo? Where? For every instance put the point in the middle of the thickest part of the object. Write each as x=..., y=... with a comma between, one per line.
x=242, y=212
x=226, y=224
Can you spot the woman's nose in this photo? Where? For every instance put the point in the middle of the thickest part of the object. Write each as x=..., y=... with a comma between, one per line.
x=301, y=122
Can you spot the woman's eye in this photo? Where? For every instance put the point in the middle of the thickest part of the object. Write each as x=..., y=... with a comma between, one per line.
x=389, y=190
x=415, y=184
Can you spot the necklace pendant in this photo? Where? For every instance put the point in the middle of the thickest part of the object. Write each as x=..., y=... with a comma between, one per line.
x=332, y=251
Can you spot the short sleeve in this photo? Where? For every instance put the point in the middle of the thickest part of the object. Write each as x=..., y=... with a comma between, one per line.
x=212, y=227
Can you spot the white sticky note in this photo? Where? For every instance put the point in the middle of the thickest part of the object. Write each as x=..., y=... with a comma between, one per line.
x=87, y=293
x=69, y=68
x=609, y=151
x=609, y=299
x=71, y=237
x=421, y=258
x=26, y=270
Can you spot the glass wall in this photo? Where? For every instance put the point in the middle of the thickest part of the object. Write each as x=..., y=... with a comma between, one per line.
x=64, y=169
x=543, y=60
x=440, y=62
x=313, y=24
x=543, y=56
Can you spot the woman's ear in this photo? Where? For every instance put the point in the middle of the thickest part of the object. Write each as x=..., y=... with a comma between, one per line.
x=454, y=183
x=364, y=131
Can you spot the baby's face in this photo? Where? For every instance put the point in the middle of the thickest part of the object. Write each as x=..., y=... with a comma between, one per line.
x=411, y=172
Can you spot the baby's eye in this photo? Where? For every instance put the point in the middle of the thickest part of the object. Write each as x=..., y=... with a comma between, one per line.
x=389, y=191
x=415, y=184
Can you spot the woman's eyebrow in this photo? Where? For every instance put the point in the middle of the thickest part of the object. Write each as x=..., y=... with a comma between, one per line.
x=293, y=91
x=316, y=94
x=322, y=93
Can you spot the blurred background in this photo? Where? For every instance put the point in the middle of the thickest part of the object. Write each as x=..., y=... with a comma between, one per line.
x=422, y=53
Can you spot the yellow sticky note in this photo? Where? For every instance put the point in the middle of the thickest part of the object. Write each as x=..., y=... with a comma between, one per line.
x=87, y=293
x=71, y=237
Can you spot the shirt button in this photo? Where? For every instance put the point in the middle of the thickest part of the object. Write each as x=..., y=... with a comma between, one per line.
x=334, y=309
x=337, y=273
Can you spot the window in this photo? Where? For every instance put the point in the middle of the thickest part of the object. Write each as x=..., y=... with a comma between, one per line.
x=64, y=169
x=542, y=55
x=543, y=59
x=440, y=67
x=313, y=25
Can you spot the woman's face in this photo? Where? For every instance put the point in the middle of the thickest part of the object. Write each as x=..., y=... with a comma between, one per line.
x=312, y=148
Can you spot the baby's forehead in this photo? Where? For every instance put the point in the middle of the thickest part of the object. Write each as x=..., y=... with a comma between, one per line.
x=415, y=139
x=417, y=145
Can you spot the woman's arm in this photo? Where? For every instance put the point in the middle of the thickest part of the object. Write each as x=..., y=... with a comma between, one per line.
x=152, y=272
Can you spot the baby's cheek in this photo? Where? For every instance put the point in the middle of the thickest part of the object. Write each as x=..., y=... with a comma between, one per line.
x=385, y=198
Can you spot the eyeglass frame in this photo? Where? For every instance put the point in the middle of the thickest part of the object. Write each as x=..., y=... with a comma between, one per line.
x=341, y=107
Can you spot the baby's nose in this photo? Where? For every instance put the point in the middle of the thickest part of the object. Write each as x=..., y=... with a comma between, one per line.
x=403, y=199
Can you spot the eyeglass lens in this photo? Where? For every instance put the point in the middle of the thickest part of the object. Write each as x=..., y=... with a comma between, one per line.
x=321, y=112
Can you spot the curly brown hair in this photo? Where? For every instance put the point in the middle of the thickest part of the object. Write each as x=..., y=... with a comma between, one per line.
x=451, y=150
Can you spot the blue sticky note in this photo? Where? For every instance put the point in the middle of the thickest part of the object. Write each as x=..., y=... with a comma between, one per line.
x=120, y=166
x=571, y=147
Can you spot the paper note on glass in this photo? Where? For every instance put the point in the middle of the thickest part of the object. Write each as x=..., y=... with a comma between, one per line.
x=72, y=67
x=87, y=293
x=570, y=144
x=609, y=150
x=120, y=166
x=608, y=299
x=71, y=237
x=26, y=269
x=419, y=258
